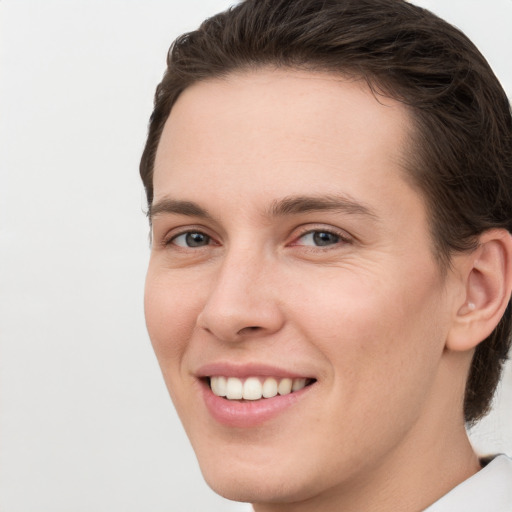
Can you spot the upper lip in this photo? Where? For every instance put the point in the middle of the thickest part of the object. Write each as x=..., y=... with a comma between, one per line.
x=228, y=369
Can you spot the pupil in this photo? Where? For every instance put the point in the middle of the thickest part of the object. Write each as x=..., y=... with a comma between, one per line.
x=197, y=239
x=323, y=238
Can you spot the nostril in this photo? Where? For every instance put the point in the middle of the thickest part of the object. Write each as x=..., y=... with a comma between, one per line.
x=250, y=328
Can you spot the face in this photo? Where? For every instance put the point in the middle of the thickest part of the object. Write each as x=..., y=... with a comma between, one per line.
x=290, y=250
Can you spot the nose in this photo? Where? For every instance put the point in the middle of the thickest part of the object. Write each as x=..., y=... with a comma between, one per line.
x=243, y=299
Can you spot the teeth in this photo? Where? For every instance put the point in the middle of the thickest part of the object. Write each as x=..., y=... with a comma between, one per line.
x=269, y=388
x=234, y=389
x=254, y=388
x=298, y=384
x=219, y=386
x=285, y=387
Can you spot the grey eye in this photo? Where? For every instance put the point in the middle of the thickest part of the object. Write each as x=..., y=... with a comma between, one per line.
x=319, y=238
x=325, y=238
x=191, y=239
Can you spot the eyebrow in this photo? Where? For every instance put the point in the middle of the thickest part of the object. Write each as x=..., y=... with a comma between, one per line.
x=291, y=205
x=174, y=206
x=303, y=204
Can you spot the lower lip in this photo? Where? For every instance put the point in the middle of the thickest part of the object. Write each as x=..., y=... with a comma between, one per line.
x=249, y=413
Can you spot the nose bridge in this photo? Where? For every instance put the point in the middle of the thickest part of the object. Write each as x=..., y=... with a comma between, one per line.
x=241, y=299
x=237, y=281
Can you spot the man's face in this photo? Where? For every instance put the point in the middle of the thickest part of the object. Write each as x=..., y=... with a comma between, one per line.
x=288, y=245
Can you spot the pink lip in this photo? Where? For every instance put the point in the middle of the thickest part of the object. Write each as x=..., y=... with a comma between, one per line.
x=247, y=413
x=246, y=370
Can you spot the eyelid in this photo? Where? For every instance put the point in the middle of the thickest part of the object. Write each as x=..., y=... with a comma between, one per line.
x=295, y=236
x=172, y=234
x=204, y=238
x=322, y=228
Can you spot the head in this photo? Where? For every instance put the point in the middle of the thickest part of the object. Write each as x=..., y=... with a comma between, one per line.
x=460, y=157
x=434, y=97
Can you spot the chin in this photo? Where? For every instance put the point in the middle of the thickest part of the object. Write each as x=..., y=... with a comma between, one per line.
x=254, y=489
x=270, y=483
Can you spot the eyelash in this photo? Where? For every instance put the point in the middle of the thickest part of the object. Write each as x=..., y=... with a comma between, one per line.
x=341, y=238
x=170, y=240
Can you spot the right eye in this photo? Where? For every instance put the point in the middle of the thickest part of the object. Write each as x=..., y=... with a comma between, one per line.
x=191, y=239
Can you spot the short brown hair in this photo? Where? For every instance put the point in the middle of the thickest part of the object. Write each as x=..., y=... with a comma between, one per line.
x=460, y=156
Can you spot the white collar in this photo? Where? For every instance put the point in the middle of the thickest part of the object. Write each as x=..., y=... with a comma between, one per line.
x=489, y=489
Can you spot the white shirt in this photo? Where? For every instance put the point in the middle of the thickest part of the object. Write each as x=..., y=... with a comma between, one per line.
x=489, y=490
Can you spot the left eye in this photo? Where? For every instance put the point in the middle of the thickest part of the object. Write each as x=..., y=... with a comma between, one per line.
x=319, y=238
x=191, y=239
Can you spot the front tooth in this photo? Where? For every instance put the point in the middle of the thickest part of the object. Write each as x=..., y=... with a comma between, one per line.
x=285, y=386
x=298, y=384
x=218, y=385
x=269, y=388
x=234, y=389
x=252, y=389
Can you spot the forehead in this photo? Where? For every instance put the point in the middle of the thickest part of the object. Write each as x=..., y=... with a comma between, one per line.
x=268, y=129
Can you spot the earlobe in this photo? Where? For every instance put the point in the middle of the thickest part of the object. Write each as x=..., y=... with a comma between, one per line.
x=488, y=285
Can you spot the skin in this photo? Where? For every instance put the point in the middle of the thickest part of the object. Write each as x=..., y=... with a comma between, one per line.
x=368, y=315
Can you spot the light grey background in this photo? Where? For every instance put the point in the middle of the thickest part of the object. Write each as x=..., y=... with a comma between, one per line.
x=85, y=421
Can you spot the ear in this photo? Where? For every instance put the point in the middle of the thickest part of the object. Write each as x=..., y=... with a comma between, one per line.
x=487, y=274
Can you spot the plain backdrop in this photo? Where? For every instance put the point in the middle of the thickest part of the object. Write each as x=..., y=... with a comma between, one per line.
x=85, y=421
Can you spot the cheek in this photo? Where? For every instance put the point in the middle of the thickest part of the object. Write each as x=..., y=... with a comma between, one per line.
x=171, y=313
x=382, y=352
x=375, y=332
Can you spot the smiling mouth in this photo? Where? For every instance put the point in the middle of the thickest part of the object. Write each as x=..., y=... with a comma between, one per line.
x=255, y=388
